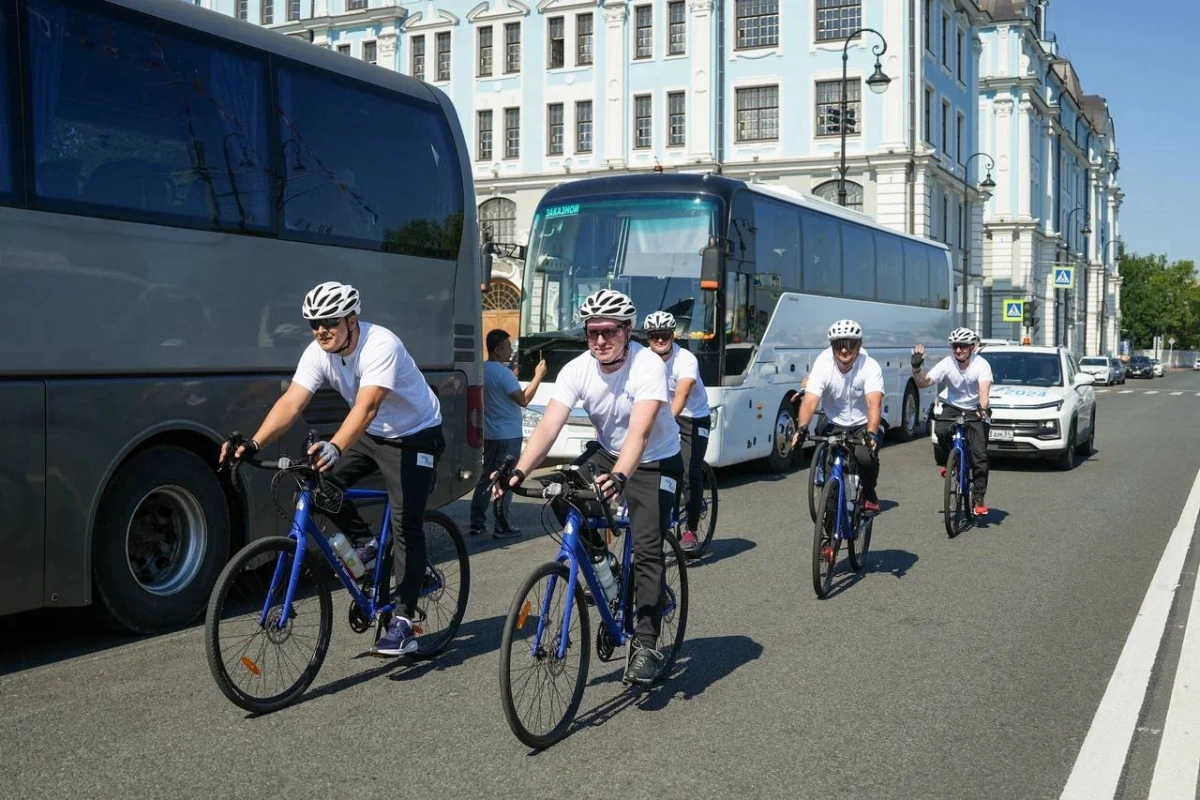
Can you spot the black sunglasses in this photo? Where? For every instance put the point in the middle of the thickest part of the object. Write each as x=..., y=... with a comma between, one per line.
x=328, y=324
x=660, y=336
x=848, y=345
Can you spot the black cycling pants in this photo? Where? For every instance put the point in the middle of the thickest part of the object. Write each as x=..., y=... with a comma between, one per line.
x=866, y=458
x=409, y=469
x=693, y=444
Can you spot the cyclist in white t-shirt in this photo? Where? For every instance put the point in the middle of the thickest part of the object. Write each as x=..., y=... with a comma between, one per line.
x=623, y=388
x=394, y=428
x=967, y=379
x=849, y=386
x=689, y=405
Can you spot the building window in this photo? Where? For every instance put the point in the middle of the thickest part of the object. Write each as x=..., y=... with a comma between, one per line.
x=556, y=34
x=677, y=28
x=676, y=119
x=829, y=191
x=443, y=56
x=757, y=24
x=959, y=52
x=293, y=10
x=584, y=40
x=498, y=217
x=758, y=113
x=928, y=26
x=484, y=65
x=945, y=40
x=960, y=151
x=829, y=107
x=268, y=12
x=483, y=121
x=512, y=47
x=512, y=133
x=501, y=295
x=644, y=43
x=356, y=5
x=242, y=10
x=343, y=49
x=837, y=19
x=583, y=126
x=642, y=121
x=368, y=52
x=554, y=129
x=418, y=57
x=929, y=115
x=946, y=127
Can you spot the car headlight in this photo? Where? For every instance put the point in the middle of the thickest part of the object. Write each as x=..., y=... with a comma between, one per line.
x=530, y=418
x=1048, y=426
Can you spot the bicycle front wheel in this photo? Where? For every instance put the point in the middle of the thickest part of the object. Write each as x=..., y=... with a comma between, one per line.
x=445, y=588
x=258, y=661
x=953, y=503
x=825, y=540
x=816, y=478
x=540, y=690
x=675, y=601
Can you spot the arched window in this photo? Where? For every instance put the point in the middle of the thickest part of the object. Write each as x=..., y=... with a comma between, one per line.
x=829, y=191
x=501, y=296
x=498, y=217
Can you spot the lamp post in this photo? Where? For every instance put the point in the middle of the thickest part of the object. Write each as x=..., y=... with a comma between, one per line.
x=985, y=186
x=878, y=83
x=1104, y=295
x=1086, y=230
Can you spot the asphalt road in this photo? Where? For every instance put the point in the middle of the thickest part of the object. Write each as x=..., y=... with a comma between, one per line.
x=965, y=668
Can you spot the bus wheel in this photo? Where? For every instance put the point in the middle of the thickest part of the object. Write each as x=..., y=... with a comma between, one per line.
x=780, y=458
x=910, y=415
x=160, y=541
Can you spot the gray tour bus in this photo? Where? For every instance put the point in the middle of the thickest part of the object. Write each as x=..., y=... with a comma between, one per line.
x=172, y=181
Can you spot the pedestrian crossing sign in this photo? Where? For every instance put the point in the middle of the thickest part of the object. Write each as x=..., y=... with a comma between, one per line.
x=1064, y=277
x=1014, y=310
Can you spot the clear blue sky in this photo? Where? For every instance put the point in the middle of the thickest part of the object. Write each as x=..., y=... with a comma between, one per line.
x=1141, y=58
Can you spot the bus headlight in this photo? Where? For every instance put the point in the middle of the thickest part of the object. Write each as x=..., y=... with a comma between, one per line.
x=530, y=418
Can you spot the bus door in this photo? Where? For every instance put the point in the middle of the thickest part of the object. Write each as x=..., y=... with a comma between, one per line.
x=23, y=496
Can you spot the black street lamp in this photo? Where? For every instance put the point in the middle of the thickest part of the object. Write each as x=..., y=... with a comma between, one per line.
x=878, y=83
x=1086, y=230
x=985, y=187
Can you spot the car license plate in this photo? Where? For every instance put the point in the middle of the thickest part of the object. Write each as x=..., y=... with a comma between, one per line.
x=1000, y=435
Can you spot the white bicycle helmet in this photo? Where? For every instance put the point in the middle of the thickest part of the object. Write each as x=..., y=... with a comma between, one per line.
x=608, y=303
x=962, y=336
x=659, y=321
x=330, y=300
x=845, y=329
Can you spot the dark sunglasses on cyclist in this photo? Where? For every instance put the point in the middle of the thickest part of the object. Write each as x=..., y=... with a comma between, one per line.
x=327, y=324
x=594, y=334
x=659, y=336
x=960, y=347
x=849, y=345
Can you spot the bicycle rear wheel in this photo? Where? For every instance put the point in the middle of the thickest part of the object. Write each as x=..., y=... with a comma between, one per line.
x=258, y=664
x=817, y=469
x=540, y=692
x=445, y=588
x=953, y=503
x=861, y=543
x=708, y=513
x=825, y=541
x=675, y=603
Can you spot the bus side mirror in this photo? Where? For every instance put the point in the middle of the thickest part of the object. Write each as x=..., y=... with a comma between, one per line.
x=712, y=266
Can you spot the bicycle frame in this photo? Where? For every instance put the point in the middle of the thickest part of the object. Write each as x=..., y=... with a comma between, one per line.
x=959, y=432
x=838, y=472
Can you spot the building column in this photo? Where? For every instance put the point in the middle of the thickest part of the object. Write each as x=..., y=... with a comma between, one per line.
x=386, y=53
x=702, y=60
x=616, y=104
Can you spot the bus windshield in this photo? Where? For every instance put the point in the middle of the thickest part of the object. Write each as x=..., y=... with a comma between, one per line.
x=645, y=246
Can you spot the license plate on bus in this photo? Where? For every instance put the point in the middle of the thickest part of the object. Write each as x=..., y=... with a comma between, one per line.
x=1000, y=435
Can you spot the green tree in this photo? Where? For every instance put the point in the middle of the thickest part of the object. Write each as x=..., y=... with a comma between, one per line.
x=1158, y=297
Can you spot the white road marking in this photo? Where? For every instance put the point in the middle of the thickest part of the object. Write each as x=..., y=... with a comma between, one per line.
x=1098, y=768
x=1151, y=391
x=1176, y=394
x=1125, y=391
x=1175, y=771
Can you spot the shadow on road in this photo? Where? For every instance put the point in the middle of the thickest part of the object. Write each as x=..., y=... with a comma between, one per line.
x=896, y=563
x=719, y=550
x=37, y=638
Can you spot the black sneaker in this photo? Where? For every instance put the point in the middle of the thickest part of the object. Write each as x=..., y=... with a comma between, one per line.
x=644, y=666
x=506, y=533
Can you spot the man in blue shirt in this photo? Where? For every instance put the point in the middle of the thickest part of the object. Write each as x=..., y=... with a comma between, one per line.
x=503, y=399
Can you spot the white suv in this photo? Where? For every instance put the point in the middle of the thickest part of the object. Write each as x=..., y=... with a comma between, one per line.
x=1042, y=405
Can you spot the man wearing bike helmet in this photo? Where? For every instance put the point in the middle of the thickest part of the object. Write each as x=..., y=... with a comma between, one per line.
x=967, y=379
x=394, y=427
x=689, y=406
x=850, y=388
x=623, y=388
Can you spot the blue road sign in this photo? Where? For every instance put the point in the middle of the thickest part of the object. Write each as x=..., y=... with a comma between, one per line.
x=1014, y=310
x=1064, y=277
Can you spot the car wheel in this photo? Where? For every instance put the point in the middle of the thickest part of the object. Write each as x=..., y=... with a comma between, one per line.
x=1066, y=460
x=1088, y=445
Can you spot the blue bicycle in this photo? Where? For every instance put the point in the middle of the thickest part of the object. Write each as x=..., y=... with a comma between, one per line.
x=959, y=483
x=839, y=513
x=546, y=644
x=271, y=612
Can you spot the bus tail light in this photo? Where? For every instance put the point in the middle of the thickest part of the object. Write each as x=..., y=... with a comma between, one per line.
x=475, y=416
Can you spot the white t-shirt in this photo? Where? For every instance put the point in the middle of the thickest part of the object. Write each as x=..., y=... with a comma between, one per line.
x=380, y=359
x=680, y=366
x=960, y=387
x=844, y=396
x=608, y=399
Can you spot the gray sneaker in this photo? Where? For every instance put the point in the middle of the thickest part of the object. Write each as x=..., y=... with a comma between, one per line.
x=644, y=666
x=399, y=639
